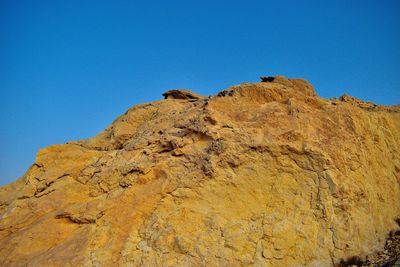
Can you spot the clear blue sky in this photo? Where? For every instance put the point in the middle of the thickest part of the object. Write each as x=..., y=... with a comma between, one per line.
x=68, y=68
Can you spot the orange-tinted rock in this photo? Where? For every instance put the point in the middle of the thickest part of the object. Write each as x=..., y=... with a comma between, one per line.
x=182, y=94
x=263, y=174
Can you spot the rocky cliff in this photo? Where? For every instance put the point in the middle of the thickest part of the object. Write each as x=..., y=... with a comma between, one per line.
x=261, y=174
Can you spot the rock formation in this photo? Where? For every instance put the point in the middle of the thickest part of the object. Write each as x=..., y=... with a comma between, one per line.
x=182, y=94
x=262, y=174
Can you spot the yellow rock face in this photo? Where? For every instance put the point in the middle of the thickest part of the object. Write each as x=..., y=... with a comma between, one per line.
x=263, y=174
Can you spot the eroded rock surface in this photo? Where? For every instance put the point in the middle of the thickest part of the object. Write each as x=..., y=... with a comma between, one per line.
x=182, y=94
x=262, y=174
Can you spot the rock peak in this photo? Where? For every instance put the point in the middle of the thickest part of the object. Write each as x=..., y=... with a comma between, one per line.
x=261, y=174
x=301, y=85
x=182, y=94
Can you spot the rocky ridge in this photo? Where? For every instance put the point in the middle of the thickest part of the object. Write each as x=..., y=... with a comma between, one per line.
x=261, y=174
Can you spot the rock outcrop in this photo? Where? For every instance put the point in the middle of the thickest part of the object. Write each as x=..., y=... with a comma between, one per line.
x=182, y=94
x=262, y=174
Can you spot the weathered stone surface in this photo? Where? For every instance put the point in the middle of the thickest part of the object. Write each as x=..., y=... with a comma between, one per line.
x=263, y=174
x=182, y=94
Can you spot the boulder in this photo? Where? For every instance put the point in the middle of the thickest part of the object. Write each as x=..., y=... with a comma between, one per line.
x=182, y=94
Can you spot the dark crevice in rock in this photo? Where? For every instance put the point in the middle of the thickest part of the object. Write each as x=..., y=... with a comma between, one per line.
x=134, y=167
x=227, y=92
x=387, y=257
x=267, y=79
x=43, y=187
x=352, y=261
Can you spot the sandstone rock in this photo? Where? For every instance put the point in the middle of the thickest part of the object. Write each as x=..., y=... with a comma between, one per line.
x=182, y=94
x=297, y=84
x=263, y=174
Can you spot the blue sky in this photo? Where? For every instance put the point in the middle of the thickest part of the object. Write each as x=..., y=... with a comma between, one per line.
x=68, y=68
